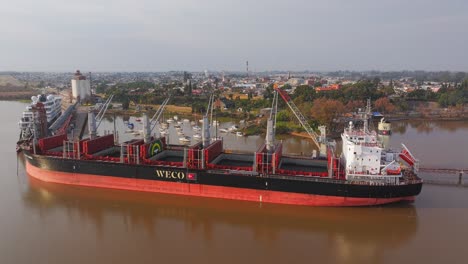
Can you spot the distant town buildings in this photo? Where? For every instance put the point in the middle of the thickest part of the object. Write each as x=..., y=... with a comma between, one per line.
x=229, y=85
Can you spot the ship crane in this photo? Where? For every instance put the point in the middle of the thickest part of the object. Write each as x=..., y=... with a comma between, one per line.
x=315, y=138
x=271, y=124
x=149, y=125
x=206, y=122
x=94, y=121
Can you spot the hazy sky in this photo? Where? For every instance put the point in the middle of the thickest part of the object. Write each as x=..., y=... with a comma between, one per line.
x=162, y=35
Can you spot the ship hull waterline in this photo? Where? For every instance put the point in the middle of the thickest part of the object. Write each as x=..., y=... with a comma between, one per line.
x=203, y=190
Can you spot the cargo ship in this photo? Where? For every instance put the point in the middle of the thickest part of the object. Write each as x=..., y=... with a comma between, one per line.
x=364, y=174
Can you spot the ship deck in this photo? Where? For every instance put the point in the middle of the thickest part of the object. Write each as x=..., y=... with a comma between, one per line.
x=238, y=160
x=301, y=164
x=169, y=156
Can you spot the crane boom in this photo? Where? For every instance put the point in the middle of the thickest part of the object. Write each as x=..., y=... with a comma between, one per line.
x=158, y=114
x=287, y=99
x=271, y=124
x=103, y=110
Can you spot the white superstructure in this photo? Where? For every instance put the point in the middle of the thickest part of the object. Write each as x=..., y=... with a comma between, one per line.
x=364, y=158
x=81, y=87
x=361, y=151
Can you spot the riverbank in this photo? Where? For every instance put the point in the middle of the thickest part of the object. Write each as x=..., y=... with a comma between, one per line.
x=21, y=96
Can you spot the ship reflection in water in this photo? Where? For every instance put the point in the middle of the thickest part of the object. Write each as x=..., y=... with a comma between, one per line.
x=134, y=225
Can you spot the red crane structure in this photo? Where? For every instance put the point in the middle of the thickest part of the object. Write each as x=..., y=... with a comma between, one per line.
x=287, y=99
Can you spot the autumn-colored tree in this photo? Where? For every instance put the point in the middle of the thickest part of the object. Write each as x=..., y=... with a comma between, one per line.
x=354, y=105
x=384, y=105
x=326, y=110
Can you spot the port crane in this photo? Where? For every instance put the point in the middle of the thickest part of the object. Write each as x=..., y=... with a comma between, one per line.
x=287, y=99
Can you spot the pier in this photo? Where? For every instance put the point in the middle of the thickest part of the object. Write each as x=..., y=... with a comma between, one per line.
x=443, y=176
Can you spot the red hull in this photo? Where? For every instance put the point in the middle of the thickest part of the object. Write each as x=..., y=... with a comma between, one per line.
x=204, y=190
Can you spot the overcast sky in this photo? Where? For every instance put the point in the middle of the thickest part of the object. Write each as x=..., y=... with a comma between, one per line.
x=162, y=35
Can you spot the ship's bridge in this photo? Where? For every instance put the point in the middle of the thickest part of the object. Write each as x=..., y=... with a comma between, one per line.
x=361, y=152
x=361, y=138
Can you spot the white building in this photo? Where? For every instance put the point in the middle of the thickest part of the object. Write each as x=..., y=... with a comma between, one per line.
x=81, y=88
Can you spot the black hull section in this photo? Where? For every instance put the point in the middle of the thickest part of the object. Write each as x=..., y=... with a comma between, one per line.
x=288, y=184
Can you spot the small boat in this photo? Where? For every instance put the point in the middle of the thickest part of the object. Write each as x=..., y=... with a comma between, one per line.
x=196, y=128
x=201, y=120
x=239, y=134
x=163, y=133
x=215, y=123
x=180, y=133
x=136, y=133
x=178, y=129
x=242, y=121
x=180, y=122
x=176, y=118
x=384, y=127
x=197, y=136
x=170, y=120
x=193, y=123
x=186, y=120
x=223, y=130
x=138, y=120
x=176, y=125
x=184, y=139
x=164, y=125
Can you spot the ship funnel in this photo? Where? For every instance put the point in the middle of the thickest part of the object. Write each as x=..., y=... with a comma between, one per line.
x=270, y=136
x=206, y=132
x=146, y=128
x=92, y=124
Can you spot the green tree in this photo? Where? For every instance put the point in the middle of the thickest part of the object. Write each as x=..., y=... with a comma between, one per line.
x=125, y=103
x=268, y=94
x=283, y=115
x=305, y=93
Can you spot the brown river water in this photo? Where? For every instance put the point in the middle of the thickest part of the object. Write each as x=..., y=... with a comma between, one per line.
x=51, y=223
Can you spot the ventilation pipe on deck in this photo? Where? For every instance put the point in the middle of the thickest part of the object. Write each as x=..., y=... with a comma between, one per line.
x=206, y=132
x=92, y=124
x=146, y=128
